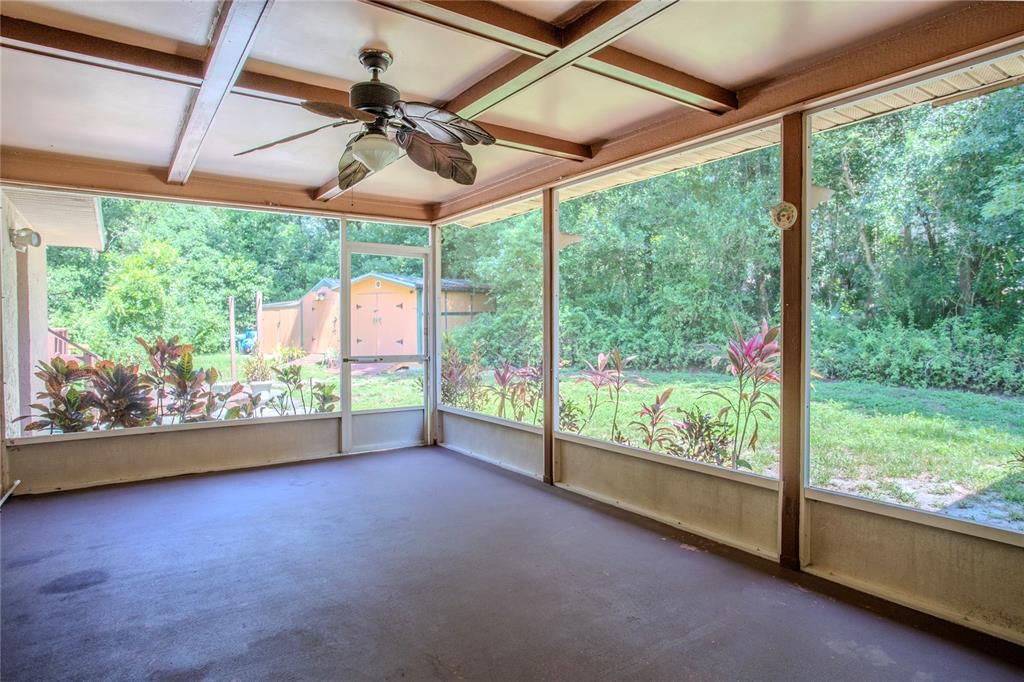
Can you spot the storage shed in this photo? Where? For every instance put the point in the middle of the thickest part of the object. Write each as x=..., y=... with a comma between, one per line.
x=386, y=311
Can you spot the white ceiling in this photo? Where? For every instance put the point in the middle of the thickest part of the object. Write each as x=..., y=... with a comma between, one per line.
x=72, y=108
x=53, y=105
x=738, y=43
x=431, y=63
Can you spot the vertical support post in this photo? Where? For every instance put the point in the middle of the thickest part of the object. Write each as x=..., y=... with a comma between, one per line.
x=24, y=332
x=231, y=334
x=435, y=434
x=550, y=325
x=4, y=301
x=345, y=330
x=794, y=323
x=259, y=320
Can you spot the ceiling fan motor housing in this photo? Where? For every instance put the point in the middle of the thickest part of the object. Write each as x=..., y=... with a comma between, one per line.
x=374, y=97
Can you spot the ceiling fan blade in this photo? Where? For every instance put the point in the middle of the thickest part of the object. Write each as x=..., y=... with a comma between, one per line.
x=450, y=161
x=441, y=124
x=332, y=110
x=296, y=136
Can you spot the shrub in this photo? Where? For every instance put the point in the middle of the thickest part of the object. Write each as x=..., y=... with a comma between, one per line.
x=257, y=368
x=290, y=353
x=955, y=352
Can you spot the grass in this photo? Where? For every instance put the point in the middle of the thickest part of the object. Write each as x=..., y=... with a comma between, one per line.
x=399, y=388
x=927, y=448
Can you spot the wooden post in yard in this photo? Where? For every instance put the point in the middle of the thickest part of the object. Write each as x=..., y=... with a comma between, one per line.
x=231, y=325
x=792, y=449
x=259, y=322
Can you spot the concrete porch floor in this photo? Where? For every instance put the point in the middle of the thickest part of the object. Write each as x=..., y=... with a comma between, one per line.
x=423, y=564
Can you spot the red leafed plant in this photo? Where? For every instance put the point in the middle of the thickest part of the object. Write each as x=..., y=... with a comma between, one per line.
x=69, y=406
x=754, y=362
x=609, y=375
x=658, y=430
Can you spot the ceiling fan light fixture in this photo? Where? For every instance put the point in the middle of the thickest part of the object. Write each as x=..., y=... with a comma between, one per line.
x=375, y=150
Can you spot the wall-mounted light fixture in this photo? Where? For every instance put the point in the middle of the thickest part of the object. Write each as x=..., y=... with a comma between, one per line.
x=24, y=237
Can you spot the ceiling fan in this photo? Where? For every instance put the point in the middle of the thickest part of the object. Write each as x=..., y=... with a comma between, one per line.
x=432, y=137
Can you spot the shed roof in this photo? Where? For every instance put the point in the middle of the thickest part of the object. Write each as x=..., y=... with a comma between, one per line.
x=447, y=283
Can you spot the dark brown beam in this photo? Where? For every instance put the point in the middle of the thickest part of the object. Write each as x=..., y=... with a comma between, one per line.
x=483, y=19
x=29, y=36
x=81, y=48
x=237, y=26
x=538, y=39
x=590, y=33
x=594, y=30
x=965, y=31
x=539, y=144
x=33, y=168
x=794, y=364
x=662, y=80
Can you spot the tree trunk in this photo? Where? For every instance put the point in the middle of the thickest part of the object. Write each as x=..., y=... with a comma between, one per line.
x=865, y=240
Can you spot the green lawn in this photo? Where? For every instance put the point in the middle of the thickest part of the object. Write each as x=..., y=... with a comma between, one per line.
x=398, y=388
x=938, y=450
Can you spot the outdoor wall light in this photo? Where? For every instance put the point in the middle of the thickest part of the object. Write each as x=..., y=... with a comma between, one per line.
x=23, y=238
x=375, y=150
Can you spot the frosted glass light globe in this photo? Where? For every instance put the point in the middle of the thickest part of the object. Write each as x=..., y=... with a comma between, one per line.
x=375, y=151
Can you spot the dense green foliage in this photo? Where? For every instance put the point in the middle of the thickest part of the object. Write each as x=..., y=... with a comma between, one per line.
x=918, y=260
x=169, y=268
x=917, y=273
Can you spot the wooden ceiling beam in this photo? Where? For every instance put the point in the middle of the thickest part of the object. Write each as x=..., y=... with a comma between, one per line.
x=538, y=39
x=84, y=49
x=482, y=19
x=28, y=36
x=233, y=38
x=968, y=31
x=597, y=28
x=47, y=170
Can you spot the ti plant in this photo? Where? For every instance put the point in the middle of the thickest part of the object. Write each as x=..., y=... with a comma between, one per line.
x=755, y=364
x=184, y=383
x=656, y=430
x=504, y=378
x=123, y=396
x=608, y=377
x=529, y=389
x=323, y=396
x=460, y=379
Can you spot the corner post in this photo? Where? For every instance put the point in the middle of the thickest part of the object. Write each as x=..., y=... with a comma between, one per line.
x=550, y=326
x=793, y=449
x=345, y=342
x=433, y=424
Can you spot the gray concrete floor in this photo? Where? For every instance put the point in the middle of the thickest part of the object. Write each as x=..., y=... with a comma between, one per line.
x=422, y=564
